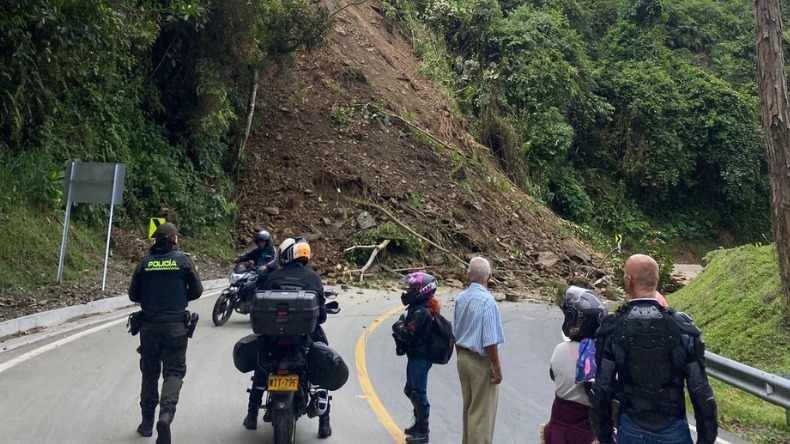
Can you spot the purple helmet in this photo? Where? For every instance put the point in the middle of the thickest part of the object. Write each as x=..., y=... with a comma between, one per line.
x=418, y=287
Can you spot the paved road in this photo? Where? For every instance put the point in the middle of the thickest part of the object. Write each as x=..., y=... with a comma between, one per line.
x=83, y=386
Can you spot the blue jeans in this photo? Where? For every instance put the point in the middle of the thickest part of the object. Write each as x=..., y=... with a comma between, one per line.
x=417, y=378
x=677, y=432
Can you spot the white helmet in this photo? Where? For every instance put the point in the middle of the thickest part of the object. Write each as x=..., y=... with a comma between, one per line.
x=294, y=249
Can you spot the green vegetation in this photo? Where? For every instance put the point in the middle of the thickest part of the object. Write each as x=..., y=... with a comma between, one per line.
x=403, y=243
x=160, y=86
x=629, y=116
x=30, y=249
x=738, y=304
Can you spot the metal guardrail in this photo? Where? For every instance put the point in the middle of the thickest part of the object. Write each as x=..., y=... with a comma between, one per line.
x=766, y=386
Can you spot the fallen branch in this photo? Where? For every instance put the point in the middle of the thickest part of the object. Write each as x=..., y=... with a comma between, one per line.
x=366, y=247
x=362, y=270
x=404, y=226
x=418, y=129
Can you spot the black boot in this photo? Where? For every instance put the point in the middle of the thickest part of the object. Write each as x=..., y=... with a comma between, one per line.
x=253, y=406
x=251, y=421
x=413, y=427
x=324, y=428
x=146, y=427
x=163, y=427
x=422, y=411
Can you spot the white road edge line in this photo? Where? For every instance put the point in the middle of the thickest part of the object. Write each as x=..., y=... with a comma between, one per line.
x=53, y=345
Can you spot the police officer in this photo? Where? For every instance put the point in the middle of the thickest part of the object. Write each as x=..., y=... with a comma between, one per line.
x=645, y=353
x=163, y=283
x=293, y=275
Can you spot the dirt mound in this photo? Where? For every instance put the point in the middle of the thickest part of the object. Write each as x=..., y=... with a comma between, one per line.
x=352, y=134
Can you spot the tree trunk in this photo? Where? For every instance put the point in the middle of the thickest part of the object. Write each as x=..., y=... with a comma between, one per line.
x=776, y=127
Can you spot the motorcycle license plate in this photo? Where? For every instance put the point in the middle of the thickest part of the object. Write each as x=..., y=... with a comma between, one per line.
x=283, y=383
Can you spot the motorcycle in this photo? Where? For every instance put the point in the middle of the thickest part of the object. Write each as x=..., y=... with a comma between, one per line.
x=236, y=297
x=290, y=361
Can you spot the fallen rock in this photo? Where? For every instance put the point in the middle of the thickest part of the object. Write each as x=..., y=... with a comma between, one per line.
x=578, y=255
x=513, y=297
x=499, y=297
x=365, y=220
x=455, y=283
x=547, y=259
x=272, y=211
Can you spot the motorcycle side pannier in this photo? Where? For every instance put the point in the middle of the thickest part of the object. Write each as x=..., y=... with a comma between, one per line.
x=325, y=367
x=284, y=312
x=245, y=353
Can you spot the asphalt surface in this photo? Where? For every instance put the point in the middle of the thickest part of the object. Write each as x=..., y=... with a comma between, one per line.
x=82, y=386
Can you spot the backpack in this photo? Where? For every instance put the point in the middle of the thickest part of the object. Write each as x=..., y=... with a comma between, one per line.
x=440, y=342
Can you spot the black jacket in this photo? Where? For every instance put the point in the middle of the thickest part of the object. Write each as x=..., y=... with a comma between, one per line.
x=165, y=281
x=411, y=331
x=295, y=276
x=267, y=256
x=687, y=369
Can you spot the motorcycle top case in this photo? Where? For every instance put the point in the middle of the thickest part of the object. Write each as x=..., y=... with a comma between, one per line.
x=325, y=367
x=284, y=312
x=245, y=353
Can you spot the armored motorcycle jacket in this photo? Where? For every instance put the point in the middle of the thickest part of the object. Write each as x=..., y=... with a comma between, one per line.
x=646, y=355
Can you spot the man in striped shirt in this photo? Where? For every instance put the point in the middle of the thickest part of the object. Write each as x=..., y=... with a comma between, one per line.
x=478, y=333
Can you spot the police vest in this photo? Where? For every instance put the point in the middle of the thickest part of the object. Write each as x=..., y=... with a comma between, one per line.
x=163, y=282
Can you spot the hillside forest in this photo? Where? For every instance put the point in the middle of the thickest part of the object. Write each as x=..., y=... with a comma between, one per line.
x=634, y=117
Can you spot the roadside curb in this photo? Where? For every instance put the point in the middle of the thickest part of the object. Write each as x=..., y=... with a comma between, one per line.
x=62, y=315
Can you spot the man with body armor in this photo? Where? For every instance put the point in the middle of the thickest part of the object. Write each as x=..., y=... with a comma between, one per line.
x=292, y=275
x=163, y=283
x=646, y=354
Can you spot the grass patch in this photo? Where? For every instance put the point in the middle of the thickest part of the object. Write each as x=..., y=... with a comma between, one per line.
x=738, y=304
x=30, y=248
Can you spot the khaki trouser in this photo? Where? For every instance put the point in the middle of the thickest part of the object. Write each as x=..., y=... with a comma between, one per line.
x=480, y=397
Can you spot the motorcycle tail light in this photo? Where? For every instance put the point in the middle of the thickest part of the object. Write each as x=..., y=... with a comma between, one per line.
x=282, y=371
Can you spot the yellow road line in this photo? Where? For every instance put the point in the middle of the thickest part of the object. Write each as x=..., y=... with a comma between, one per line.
x=364, y=381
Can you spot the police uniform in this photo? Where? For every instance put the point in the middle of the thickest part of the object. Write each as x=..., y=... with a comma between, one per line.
x=163, y=283
x=646, y=354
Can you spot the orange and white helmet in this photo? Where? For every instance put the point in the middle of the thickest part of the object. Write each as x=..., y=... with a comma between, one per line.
x=294, y=249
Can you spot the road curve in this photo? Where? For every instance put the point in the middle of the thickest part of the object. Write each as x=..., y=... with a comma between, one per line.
x=82, y=386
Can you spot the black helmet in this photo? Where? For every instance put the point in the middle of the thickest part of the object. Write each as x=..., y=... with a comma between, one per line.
x=583, y=313
x=264, y=236
x=419, y=286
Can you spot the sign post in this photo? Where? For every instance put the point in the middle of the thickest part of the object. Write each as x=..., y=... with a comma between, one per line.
x=91, y=182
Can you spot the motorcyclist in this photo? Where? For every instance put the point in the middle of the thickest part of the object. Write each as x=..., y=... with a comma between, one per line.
x=292, y=275
x=264, y=259
x=570, y=411
x=411, y=338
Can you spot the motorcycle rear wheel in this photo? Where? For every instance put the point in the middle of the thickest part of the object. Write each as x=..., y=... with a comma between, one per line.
x=284, y=423
x=223, y=308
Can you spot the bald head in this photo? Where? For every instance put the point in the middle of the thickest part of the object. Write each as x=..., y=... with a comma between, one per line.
x=640, y=276
x=479, y=270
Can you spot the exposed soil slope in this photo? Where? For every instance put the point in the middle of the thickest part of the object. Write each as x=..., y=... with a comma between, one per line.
x=322, y=136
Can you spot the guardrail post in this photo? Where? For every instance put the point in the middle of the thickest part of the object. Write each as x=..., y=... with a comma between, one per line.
x=787, y=411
